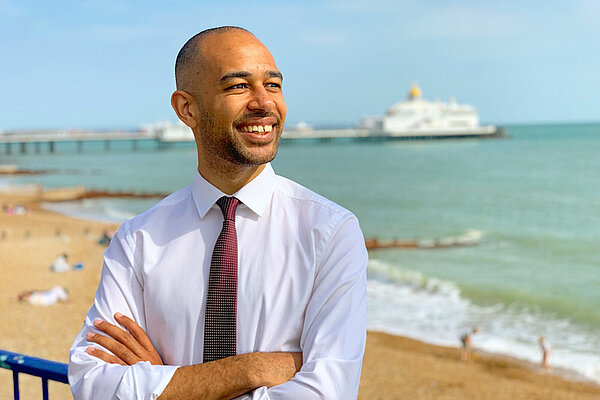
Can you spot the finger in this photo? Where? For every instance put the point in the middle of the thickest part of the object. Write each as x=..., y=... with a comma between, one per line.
x=118, y=349
x=120, y=336
x=142, y=338
x=104, y=356
x=136, y=331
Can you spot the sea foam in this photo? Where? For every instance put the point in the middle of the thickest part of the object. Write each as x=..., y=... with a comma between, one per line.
x=406, y=302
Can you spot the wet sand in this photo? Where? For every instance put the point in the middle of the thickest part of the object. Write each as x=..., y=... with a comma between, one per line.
x=394, y=367
x=400, y=368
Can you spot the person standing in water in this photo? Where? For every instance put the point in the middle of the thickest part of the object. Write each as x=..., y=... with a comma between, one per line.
x=466, y=350
x=546, y=353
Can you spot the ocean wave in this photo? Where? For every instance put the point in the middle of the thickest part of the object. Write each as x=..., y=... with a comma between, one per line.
x=91, y=209
x=409, y=303
x=392, y=273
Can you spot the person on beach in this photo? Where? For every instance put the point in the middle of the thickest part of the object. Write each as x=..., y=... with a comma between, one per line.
x=546, y=350
x=243, y=283
x=16, y=210
x=466, y=341
x=44, y=297
x=61, y=263
x=106, y=237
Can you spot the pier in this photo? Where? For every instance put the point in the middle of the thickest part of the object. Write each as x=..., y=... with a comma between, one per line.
x=377, y=135
x=49, y=141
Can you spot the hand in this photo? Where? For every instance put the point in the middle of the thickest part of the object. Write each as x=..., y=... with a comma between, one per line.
x=128, y=347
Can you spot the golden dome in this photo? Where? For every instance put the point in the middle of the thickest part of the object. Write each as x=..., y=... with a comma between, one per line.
x=414, y=92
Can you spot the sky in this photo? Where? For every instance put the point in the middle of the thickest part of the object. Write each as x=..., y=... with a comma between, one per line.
x=109, y=64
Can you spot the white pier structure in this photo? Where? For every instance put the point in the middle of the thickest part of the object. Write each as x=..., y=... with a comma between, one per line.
x=412, y=119
x=416, y=117
x=22, y=141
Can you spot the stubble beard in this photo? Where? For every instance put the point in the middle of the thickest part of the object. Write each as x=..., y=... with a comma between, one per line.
x=224, y=144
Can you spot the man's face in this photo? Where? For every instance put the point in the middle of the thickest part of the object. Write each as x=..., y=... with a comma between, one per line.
x=240, y=100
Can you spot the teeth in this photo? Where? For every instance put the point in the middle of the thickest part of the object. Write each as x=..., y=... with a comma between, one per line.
x=258, y=128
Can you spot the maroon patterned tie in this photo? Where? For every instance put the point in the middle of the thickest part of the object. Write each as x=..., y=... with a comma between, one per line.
x=221, y=301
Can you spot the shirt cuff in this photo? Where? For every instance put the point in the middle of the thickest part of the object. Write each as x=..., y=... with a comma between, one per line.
x=145, y=381
x=258, y=394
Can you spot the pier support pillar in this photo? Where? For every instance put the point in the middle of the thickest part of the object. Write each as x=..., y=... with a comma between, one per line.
x=51, y=146
x=37, y=147
x=134, y=144
x=107, y=145
x=164, y=145
x=80, y=146
x=8, y=148
x=23, y=147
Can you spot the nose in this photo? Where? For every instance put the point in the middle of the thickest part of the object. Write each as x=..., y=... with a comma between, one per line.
x=261, y=100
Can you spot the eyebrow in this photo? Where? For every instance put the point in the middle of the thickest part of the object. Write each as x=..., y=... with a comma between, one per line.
x=245, y=74
x=274, y=74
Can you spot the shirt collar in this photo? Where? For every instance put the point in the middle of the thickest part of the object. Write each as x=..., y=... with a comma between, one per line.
x=255, y=195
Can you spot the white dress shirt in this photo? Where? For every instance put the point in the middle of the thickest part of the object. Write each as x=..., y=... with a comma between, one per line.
x=301, y=287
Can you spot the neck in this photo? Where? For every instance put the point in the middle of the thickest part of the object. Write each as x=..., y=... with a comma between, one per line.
x=229, y=178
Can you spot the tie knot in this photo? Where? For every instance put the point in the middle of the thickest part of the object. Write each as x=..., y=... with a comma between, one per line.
x=228, y=206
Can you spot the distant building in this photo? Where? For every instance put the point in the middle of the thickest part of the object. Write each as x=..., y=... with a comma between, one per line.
x=167, y=131
x=416, y=113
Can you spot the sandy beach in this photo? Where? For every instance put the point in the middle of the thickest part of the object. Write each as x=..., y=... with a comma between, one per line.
x=394, y=367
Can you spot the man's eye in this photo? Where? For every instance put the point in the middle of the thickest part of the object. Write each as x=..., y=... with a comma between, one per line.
x=238, y=86
x=273, y=85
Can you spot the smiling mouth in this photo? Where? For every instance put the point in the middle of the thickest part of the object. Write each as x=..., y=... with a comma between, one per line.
x=258, y=129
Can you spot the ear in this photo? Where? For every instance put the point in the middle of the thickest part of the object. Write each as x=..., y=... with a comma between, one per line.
x=186, y=108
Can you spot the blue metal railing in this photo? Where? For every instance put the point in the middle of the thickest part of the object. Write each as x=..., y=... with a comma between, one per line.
x=22, y=364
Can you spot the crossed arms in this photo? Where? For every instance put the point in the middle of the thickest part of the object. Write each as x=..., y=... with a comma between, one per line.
x=329, y=330
x=221, y=379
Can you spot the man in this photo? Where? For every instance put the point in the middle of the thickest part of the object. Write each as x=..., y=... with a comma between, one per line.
x=299, y=291
x=466, y=341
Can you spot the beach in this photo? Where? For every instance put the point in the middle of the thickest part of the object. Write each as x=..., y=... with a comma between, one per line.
x=394, y=367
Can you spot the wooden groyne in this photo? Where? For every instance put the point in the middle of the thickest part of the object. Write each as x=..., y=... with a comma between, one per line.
x=14, y=170
x=470, y=238
x=80, y=193
x=91, y=194
x=73, y=193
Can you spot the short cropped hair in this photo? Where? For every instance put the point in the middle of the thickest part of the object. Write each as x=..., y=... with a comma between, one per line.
x=190, y=50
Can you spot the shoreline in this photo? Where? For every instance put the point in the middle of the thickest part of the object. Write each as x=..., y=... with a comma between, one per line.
x=566, y=374
x=394, y=366
x=427, y=372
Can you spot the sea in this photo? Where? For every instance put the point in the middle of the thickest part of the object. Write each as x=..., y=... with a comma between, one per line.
x=533, y=198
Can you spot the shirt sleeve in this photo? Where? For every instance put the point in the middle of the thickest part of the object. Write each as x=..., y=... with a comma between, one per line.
x=120, y=290
x=334, y=333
